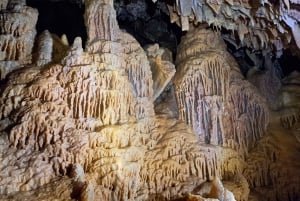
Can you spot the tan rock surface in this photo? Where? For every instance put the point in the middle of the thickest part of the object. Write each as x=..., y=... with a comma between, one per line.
x=17, y=34
x=162, y=68
x=80, y=124
x=213, y=97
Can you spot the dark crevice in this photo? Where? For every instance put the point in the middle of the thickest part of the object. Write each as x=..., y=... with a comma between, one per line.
x=289, y=62
x=148, y=22
x=60, y=17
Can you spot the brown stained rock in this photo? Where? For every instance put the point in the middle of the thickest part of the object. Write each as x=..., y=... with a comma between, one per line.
x=162, y=69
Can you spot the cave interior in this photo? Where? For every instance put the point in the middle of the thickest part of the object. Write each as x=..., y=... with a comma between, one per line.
x=150, y=100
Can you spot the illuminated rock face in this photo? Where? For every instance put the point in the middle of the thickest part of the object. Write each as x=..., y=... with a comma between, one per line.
x=162, y=68
x=17, y=34
x=80, y=123
x=91, y=108
x=212, y=95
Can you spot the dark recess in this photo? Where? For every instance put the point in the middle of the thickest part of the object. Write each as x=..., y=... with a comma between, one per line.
x=60, y=17
x=148, y=22
x=289, y=62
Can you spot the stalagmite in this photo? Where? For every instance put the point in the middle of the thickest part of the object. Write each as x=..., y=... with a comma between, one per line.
x=220, y=106
x=94, y=108
x=108, y=120
x=68, y=101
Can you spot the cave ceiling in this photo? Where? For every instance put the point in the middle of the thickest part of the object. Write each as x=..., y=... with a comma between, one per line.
x=253, y=23
x=248, y=27
x=143, y=100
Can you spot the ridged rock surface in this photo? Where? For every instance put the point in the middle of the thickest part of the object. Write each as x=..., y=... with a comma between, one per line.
x=273, y=165
x=95, y=108
x=80, y=124
x=17, y=35
x=222, y=107
x=257, y=24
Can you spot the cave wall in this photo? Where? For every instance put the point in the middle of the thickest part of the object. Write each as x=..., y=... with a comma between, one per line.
x=112, y=121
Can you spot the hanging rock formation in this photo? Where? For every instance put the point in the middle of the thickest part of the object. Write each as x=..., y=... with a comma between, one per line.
x=79, y=123
x=258, y=24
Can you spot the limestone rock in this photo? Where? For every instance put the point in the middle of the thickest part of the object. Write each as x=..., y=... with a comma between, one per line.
x=87, y=193
x=57, y=190
x=257, y=24
x=212, y=191
x=77, y=173
x=3, y=4
x=277, y=149
x=88, y=113
x=213, y=97
x=17, y=32
x=70, y=112
x=162, y=69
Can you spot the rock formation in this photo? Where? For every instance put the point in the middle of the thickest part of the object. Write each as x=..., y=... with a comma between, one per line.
x=83, y=124
x=162, y=67
x=17, y=34
x=258, y=24
x=213, y=97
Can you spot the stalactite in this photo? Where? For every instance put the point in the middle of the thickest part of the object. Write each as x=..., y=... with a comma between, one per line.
x=93, y=108
x=248, y=107
x=256, y=24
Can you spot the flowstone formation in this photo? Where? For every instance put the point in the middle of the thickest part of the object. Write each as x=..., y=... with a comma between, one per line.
x=257, y=24
x=89, y=114
x=92, y=109
x=278, y=152
x=17, y=34
x=213, y=97
x=81, y=124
